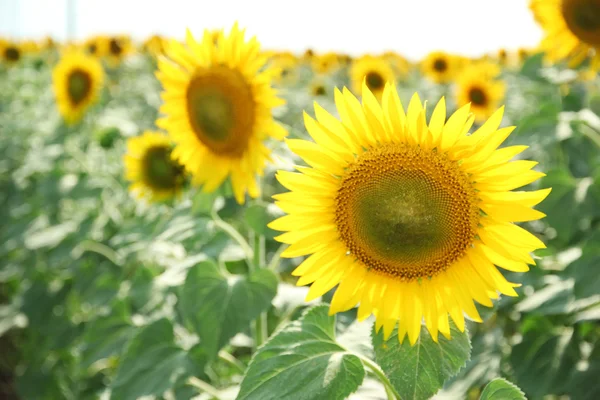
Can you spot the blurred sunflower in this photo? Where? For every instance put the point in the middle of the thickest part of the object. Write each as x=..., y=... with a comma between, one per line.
x=150, y=167
x=77, y=80
x=411, y=219
x=286, y=64
x=400, y=64
x=440, y=67
x=118, y=47
x=96, y=46
x=476, y=85
x=375, y=71
x=572, y=29
x=317, y=88
x=218, y=102
x=502, y=57
x=325, y=63
x=11, y=53
x=154, y=45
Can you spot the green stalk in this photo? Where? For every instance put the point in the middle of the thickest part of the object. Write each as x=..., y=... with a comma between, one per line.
x=205, y=387
x=389, y=389
x=260, y=324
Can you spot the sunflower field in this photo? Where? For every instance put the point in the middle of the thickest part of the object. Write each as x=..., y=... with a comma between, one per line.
x=207, y=219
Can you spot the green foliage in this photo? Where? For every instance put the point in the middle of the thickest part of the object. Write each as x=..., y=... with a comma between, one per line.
x=218, y=305
x=303, y=361
x=501, y=389
x=419, y=371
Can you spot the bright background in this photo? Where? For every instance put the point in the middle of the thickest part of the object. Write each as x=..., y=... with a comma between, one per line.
x=412, y=28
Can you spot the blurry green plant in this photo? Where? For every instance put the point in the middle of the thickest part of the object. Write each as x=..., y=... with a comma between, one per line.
x=105, y=297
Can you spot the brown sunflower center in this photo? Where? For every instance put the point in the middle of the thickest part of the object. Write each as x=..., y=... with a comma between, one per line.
x=477, y=96
x=92, y=48
x=375, y=81
x=160, y=171
x=115, y=47
x=319, y=90
x=440, y=65
x=220, y=108
x=12, y=54
x=406, y=212
x=79, y=85
x=583, y=19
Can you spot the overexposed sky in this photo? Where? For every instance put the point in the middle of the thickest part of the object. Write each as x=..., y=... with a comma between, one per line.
x=411, y=27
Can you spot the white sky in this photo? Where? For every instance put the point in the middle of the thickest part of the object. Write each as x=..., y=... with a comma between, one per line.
x=411, y=27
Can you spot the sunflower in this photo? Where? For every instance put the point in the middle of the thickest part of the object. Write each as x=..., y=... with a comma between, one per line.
x=440, y=67
x=96, y=46
x=411, y=219
x=325, y=63
x=154, y=45
x=476, y=85
x=218, y=101
x=572, y=29
x=77, y=80
x=374, y=71
x=118, y=47
x=150, y=167
x=400, y=64
x=286, y=64
x=11, y=53
x=317, y=88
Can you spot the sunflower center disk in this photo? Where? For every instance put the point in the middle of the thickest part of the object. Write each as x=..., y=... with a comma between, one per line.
x=220, y=108
x=12, y=54
x=79, y=84
x=405, y=212
x=440, y=65
x=115, y=48
x=160, y=171
x=374, y=81
x=477, y=96
x=583, y=19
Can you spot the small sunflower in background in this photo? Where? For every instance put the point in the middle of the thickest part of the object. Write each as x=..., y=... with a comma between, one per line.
x=117, y=48
x=151, y=169
x=11, y=53
x=523, y=54
x=96, y=46
x=77, y=80
x=400, y=64
x=325, y=63
x=318, y=88
x=154, y=45
x=440, y=67
x=375, y=71
x=572, y=29
x=286, y=64
x=217, y=107
x=409, y=219
x=477, y=85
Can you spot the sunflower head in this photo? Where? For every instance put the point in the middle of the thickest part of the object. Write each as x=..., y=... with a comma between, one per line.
x=151, y=169
x=409, y=218
x=317, y=88
x=440, y=67
x=477, y=85
x=217, y=107
x=325, y=63
x=11, y=53
x=286, y=65
x=117, y=48
x=400, y=64
x=572, y=29
x=375, y=71
x=77, y=81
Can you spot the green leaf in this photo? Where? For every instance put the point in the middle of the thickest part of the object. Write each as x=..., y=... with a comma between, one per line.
x=501, y=389
x=151, y=364
x=258, y=216
x=532, y=66
x=584, y=270
x=419, y=371
x=544, y=359
x=303, y=362
x=218, y=306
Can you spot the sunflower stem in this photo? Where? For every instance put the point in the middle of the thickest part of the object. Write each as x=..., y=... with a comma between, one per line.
x=274, y=264
x=235, y=235
x=591, y=133
x=228, y=357
x=205, y=387
x=389, y=389
x=260, y=324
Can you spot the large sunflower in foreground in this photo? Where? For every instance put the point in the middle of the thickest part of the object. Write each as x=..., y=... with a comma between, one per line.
x=572, y=29
x=217, y=102
x=440, y=67
x=375, y=71
x=150, y=167
x=411, y=219
x=77, y=80
x=476, y=85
